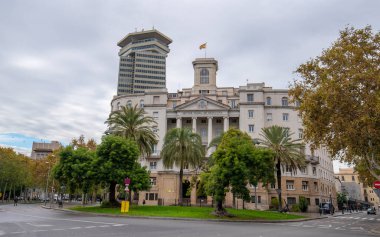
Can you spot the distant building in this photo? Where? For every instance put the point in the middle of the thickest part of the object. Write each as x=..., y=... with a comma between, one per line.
x=210, y=110
x=42, y=149
x=355, y=190
x=142, y=62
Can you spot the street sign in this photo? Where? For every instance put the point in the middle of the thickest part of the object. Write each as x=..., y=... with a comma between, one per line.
x=376, y=184
x=127, y=181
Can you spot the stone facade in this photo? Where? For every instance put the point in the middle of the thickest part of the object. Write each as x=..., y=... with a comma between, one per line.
x=209, y=110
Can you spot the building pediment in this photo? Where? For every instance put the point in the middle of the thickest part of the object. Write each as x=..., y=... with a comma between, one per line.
x=202, y=103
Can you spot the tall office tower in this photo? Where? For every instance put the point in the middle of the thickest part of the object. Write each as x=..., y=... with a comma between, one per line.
x=142, y=61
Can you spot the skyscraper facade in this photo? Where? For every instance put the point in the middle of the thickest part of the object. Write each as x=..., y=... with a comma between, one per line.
x=142, y=62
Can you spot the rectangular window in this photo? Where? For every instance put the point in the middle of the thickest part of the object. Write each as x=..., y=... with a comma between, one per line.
x=250, y=113
x=289, y=185
x=250, y=97
x=269, y=116
x=253, y=199
x=203, y=132
x=342, y=178
x=288, y=169
x=156, y=99
x=251, y=128
x=303, y=170
x=155, y=115
x=315, y=186
x=291, y=200
x=317, y=201
x=353, y=178
x=153, y=181
x=285, y=117
x=233, y=104
x=305, y=185
x=151, y=196
x=300, y=133
x=272, y=186
x=314, y=170
x=218, y=121
x=155, y=129
x=153, y=165
x=174, y=104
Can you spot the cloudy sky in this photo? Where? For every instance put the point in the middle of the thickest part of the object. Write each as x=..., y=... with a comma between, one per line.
x=59, y=62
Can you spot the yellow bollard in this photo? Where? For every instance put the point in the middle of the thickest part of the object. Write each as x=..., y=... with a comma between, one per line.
x=124, y=206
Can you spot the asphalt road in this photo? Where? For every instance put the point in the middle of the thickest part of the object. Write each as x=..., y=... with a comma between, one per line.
x=32, y=220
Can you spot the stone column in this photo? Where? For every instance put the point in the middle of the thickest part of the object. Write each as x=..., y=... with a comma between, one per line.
x=194, y=124
x=179, y=122
x=226, y=123
x=209, y=131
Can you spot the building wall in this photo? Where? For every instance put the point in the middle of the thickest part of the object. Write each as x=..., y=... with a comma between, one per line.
x=229, y=107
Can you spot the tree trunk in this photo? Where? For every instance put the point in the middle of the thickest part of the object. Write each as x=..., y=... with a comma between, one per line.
x=112, y=198
x=278, y=167
x=180, y=187
x=255, y=197
x=5, y=189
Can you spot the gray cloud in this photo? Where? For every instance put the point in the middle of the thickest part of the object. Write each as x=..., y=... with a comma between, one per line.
x=59, y=63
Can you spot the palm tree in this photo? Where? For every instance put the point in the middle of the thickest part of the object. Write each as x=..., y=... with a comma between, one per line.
x=132, y=122
x=182, y=148
x=287, y=151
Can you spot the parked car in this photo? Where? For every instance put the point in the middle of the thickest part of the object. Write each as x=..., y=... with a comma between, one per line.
x=371, y=210
x=326, y=208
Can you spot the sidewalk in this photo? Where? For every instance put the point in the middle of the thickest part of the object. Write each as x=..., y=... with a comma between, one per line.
x=316, y=214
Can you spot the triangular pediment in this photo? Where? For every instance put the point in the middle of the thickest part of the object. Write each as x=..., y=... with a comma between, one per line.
x=202, y=103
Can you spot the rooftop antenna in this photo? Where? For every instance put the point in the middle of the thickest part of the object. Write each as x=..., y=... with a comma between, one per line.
x=247, y=80
x=153, y=27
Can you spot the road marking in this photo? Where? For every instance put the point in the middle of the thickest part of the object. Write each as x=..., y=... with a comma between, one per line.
x=104, y=226
x=118, y=225
x=324, y=226
x=356, y=218
x=58, y=229
x=61, y=219
x=371, y=219
x=38, y=225
x=378, y=219
x=75, y=228
x=89, y=227
x=307, y=226
x=38, y=230
x=18, y=232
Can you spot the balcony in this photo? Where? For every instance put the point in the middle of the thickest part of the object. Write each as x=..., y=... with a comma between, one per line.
x=314, y=160
x=155, y=154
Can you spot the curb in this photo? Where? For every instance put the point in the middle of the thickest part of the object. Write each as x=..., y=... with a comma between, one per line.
x=183, y=219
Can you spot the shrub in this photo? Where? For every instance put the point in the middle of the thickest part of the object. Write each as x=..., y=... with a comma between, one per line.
x=303, y=204
x=274, y=203
x=295, y=208
x=107, y=204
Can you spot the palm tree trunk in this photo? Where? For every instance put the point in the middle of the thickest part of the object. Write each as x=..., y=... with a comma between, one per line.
x=180, y=187
x=278, y=168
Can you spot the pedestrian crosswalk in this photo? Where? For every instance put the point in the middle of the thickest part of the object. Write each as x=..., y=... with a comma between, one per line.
x=358, y=218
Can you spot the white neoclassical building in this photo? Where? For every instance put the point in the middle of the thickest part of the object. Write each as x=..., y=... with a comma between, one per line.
x=209, y=110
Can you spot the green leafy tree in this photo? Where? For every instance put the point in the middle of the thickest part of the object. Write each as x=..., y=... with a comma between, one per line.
x=117, y=159
x=303, y=204
x=140, y=179
x=76, y=166
x=339, y=98
x=341, y=199
x=233, y=168
x=133, y=123
x=286, y=151
x=182, y=148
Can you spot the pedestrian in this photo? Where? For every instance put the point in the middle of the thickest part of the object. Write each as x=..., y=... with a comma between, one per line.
x=15, y=201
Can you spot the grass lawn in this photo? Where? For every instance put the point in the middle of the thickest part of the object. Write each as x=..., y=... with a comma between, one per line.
x=190, y=212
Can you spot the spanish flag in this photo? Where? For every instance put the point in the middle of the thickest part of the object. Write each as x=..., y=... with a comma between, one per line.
x=203, y=46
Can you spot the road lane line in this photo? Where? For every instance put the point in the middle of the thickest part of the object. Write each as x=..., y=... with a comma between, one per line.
x=75, y=228
x=90, y=227
x=62, y=219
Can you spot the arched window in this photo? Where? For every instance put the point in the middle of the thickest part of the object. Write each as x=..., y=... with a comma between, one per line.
x=141, y=103
x=284, y=101
x=129, y=103
x=204, y=76
x=118, y=106
x=269, y=101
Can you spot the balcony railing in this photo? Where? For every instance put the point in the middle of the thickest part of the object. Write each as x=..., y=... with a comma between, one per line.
x=314, y=160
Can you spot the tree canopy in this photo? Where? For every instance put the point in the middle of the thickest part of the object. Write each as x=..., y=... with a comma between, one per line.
x=236, y=162
x=339, y=96
x=133, y=123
